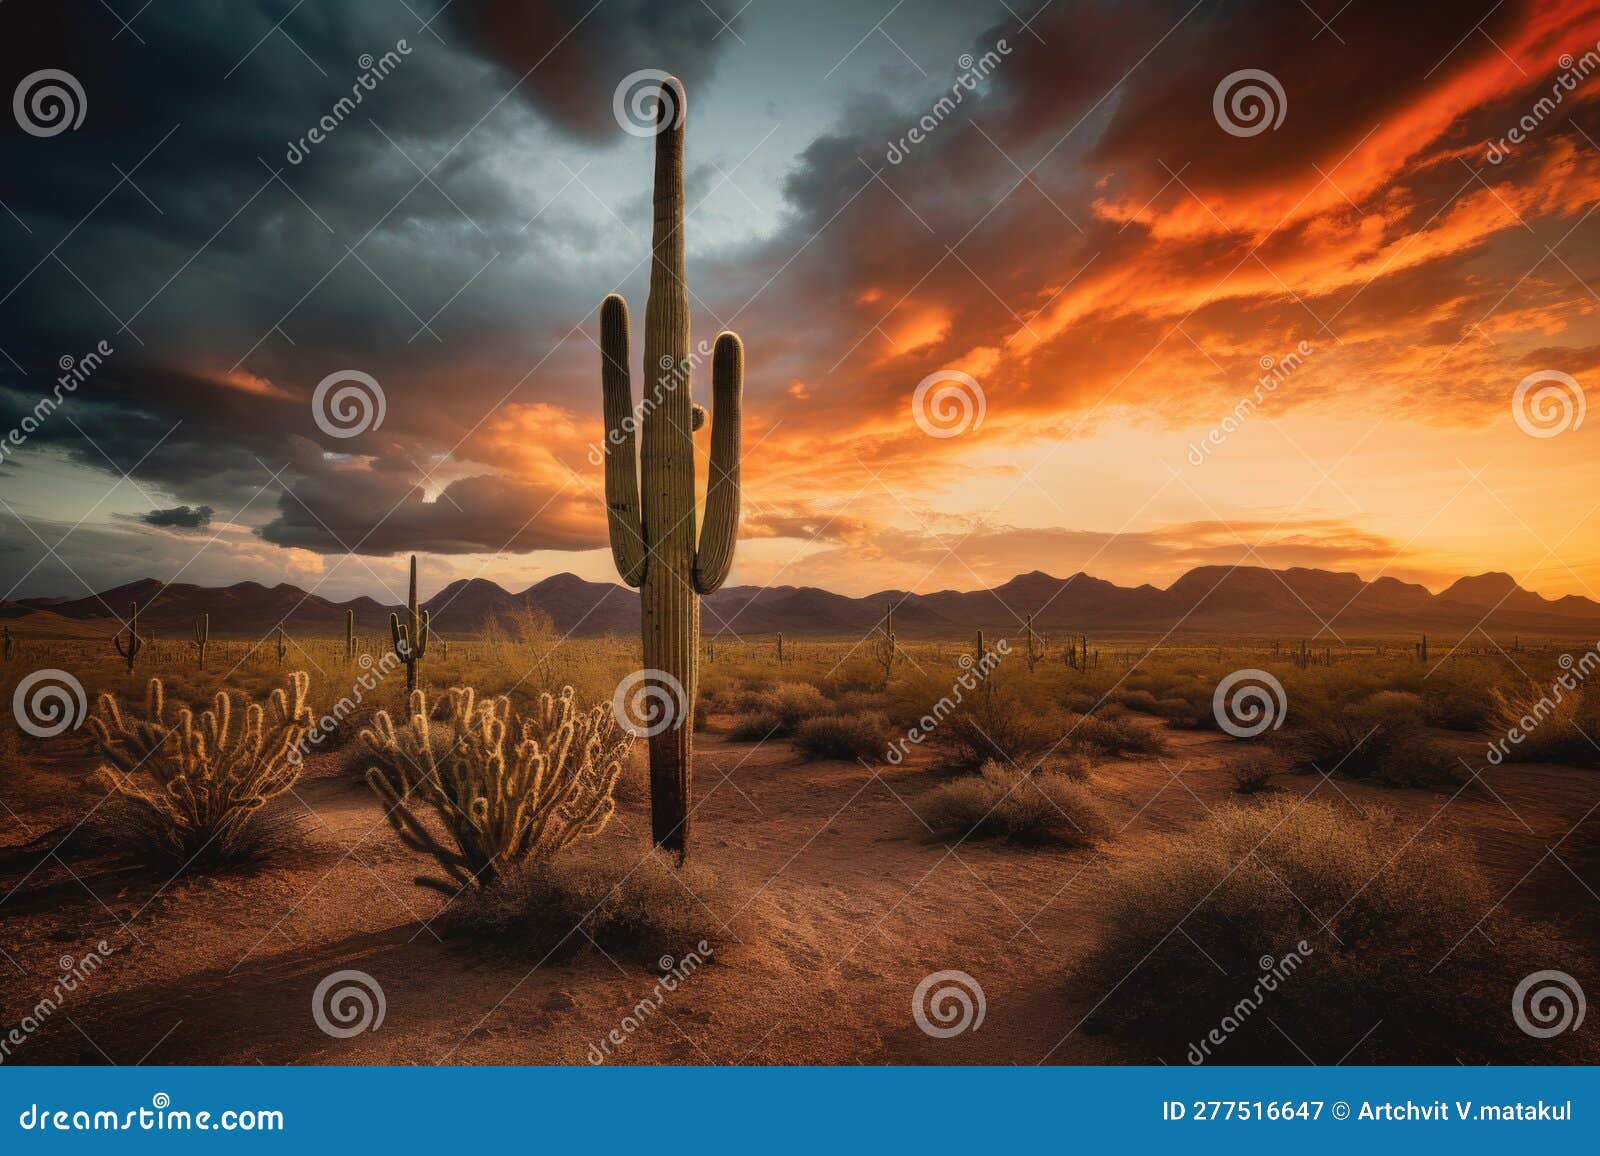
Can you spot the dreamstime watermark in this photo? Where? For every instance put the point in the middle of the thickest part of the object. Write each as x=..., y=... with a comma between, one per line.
x=973, y=69
x=674, y=973
x=1573, y=672
x=637, y=102
x=1256, y=706
x=648, y=702
x=1548, y=403
x=1548, y=1003
x=347, y=403
x=372, y=71
x=49, y=102
x=49, y=702
x=948, y=403
x=74, y=372
x=1274, y=372
x=1273, y=973
x=1572, y=72
x=948, y=1003
x=74, y=971
x=346, y=706
x=1249, y=102
x=347, y=1003
x=973, y=672
x=161, y=1116
x=674, y=375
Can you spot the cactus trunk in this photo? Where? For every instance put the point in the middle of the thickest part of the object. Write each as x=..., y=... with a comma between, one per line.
x=651, y=514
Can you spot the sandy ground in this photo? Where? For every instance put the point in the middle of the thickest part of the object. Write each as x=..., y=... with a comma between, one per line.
x=850, y=901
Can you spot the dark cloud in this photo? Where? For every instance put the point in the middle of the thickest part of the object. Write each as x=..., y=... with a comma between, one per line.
x=180, y=517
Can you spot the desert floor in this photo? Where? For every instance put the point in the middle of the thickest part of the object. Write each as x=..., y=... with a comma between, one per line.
x=844, y=903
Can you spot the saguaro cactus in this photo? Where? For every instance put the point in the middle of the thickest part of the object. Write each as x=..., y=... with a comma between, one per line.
x=1035, y=644
x=283, y=645
x=350, y=635
x=652, y=526
x=885, y=644
x=134, y=644
x=202, y=635
x=410, y=637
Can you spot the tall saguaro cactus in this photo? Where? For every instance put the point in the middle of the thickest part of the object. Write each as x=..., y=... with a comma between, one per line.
x=410, y=637
x=652, y=525
x=202, y=635
x=350, y=635
x=135, y=642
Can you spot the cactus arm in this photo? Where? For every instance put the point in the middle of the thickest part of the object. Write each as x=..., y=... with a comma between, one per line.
x=398, y=634
x=721, y=529
x=622, y=481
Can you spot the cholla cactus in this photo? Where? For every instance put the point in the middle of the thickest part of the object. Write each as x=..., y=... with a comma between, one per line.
x=410, y=637
x=652, y=518
x=208, y=776
x=135, y=641
x=507, y=787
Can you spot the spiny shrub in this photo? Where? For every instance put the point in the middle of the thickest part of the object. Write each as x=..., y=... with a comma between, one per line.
x=509, y=788
x=1555, y=724
x=191, y=790
x=1458, y=698
x=1117, y=734
x=1003, y=803
x=777, y=712
x=1253, y=773
x=1250, y=883
x=635, y=902
x=843, y=736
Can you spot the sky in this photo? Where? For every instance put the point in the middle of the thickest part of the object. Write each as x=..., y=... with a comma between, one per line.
x=1121, y=287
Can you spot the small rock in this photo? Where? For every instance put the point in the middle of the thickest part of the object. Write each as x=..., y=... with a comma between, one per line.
x=559, y=1001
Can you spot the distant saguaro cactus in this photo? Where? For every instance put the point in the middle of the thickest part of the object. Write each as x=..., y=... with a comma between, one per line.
x=1035, y=649
x=350, y=635
x=410, y=637
x=134, y=644
x=283, y=645
x=5, y=644
x=886, y=643
x=652, y=527
x=202, y=635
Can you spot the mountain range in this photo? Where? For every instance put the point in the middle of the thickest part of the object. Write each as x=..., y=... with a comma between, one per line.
x=1210, y=599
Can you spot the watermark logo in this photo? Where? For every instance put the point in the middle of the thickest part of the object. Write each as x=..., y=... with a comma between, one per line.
x=1248, y=703
x=1249, y=102
x=49, y=102
x=1273, y=973
x=1274, y=372
x=348, y=1003
x=948, y=403
x=48, y=703
x=1573, y=673
x=948, y=1003
x=674, y=974
x=1548, y=403
x=372, y=70
x=348, y=403
x=74, y=372
x=1573, y=71
x=973, y=672
x=75, y=971
x=637, y=103
x=973, y=69
x=1548, y=1003
x=648, y=702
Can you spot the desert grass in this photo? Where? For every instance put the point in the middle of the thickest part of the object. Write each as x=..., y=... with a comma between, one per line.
x=1010, y=804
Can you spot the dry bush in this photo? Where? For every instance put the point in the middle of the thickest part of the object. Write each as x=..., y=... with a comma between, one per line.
x=498, y=804
x=1254, y=773
x=843, y=736
x=1380, y=738
x=1003, y=803
x=1117, y=734
x=191, y=791
x=1553, y=730
x=1459, y=697
x=992, y=724
x=776, y=713
x=1251, y=882
x=633, y=902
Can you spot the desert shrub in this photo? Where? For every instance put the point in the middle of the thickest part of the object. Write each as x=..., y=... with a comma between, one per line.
x=191, y=791
x=1555, y=724
x=995, y=722
x=1069, y=764
x=1118, y=734
x=1139, y=700
x=1458, y=698
x=1254, y=773
x=1357, y=740
x=753, y=728
x=1004, y=803
x=1252, y=883
x=1414, y=760
x=636, y=902
x=777, y=712
x=843, y=736
x=498, y=805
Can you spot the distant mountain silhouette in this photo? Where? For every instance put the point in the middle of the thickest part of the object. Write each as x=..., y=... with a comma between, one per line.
x=1211, y=599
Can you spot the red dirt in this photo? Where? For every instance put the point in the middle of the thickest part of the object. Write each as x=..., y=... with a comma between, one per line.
x=850, y=905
